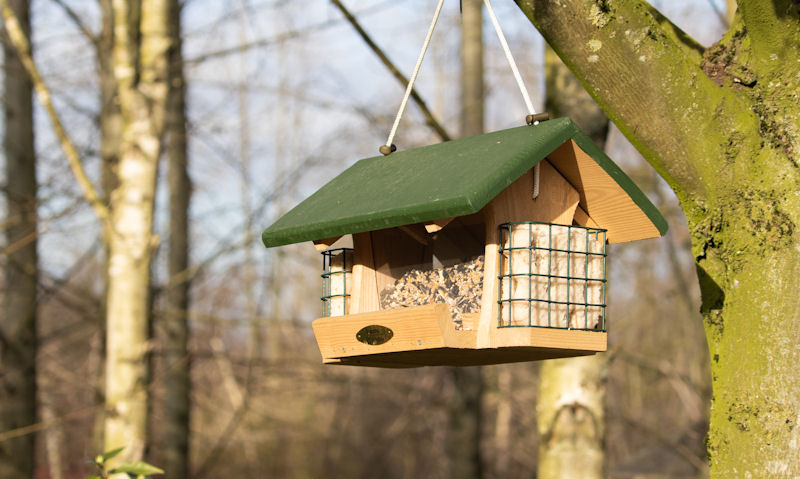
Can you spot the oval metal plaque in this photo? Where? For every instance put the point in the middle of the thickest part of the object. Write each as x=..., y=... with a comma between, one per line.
x=374, y=334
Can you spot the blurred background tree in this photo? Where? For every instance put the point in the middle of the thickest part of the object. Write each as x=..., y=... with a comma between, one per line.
x=18, y=323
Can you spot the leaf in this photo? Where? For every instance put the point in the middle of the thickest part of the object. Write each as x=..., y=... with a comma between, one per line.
x=93, y=477
x=138, y=468
x=108, y=455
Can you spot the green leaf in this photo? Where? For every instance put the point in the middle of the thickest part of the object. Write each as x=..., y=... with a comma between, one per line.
x=138, y=468
x=108, y=455
x=93, y=477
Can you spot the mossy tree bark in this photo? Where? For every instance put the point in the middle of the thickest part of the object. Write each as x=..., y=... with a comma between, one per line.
x=721, y=125
x=140, y=46
x=18, y=342
x=570, y=406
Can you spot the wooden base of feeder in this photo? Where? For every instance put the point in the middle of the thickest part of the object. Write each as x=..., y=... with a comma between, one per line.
x=426, y=336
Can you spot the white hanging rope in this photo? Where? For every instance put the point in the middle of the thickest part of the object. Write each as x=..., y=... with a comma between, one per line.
x=389, y=148
x=510, y=58
x=413, y=77
x=520, y=84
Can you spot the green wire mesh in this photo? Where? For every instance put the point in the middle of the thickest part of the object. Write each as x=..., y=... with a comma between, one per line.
x=551, y=276
x=336, y=264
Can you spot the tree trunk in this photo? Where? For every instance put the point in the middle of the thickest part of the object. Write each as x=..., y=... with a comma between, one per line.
x=571, y=418
x=18, y=341
x=466, y=408
x=110, y=124
x=54, y=435
x=472, y=88
x=721, y=126
x=571, y=401
x=141, y=43
x=176, y=317
x=110, y=121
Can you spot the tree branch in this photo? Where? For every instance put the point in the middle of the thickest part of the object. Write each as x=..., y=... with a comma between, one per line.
x=78, y=21
x=682, y=450
x=430, y=120
x=23, y=49
x=279, y=38
x=640, y=68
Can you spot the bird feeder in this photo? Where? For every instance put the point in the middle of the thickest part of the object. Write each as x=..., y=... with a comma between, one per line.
x=468, y=253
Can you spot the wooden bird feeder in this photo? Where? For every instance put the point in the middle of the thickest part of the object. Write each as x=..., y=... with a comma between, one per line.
x=453, y=261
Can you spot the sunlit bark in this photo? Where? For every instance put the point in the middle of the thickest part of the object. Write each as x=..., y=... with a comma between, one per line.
x=720, y=124
x=141, y=44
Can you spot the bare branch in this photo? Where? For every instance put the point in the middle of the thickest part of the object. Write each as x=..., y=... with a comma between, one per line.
x=687, y=454
x=261, y=42
x=20, y=243
x=78, y=21
x=719, y=13
x=430, y=120
x=41, y=426
x=23, y=49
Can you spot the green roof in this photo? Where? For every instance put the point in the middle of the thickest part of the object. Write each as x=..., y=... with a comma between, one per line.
x=449, y=179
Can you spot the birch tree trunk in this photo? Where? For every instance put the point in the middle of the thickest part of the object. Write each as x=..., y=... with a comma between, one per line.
x=570, y=406
x=721, y=125
x=18, y=341
x=110, y=121
x=466, y=408
x=141, y=43
x=175, y=321
x=571, y=418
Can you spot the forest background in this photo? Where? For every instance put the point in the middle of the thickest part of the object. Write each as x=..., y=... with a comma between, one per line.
x=280, y=97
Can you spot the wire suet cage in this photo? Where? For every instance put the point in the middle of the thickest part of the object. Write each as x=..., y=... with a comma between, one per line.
x=551, y=276
x=337, y=269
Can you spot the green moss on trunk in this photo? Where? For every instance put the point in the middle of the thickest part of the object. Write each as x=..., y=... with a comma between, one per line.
x=722, y=127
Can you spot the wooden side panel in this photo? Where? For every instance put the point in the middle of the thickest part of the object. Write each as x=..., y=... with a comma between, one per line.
x=364, y=294
x=383, y=259
x=556, y=203
x=459, y=338
x=601, y=198
x=469, y=321
x=413, y=329
x=551, y=338
x=488, y=318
